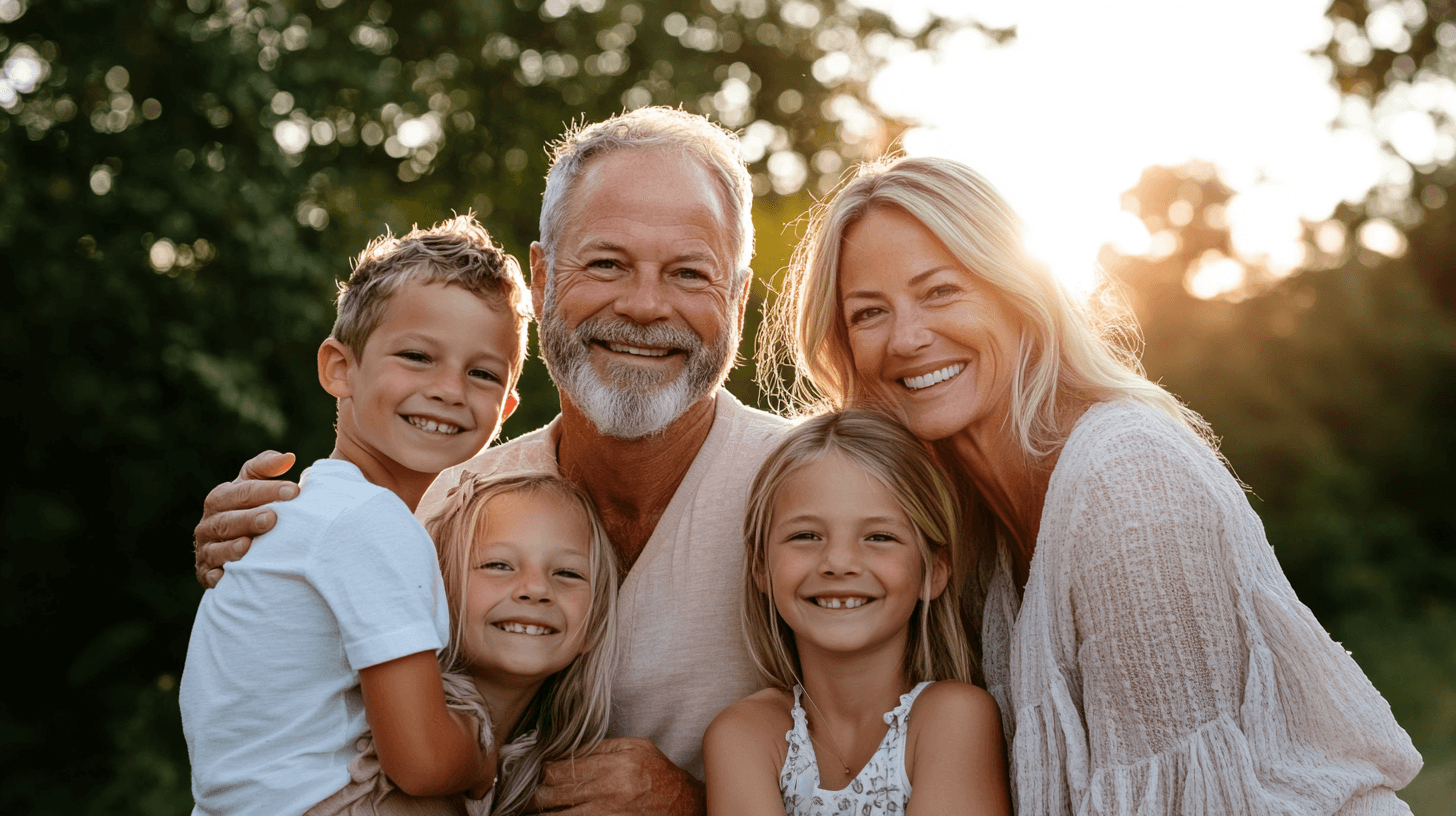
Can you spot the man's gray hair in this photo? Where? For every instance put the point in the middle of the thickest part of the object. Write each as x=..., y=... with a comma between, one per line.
x=696, y=137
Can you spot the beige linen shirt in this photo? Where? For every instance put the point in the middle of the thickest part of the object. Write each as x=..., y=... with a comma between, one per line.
x=683, y=654
x=1159, y=662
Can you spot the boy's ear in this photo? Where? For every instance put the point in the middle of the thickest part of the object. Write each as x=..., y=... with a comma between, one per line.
x=538, y=278
x=513, y=400
x=939, y=574
x=335, y=360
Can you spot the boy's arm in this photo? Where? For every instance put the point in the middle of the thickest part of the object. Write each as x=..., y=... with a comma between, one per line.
x=229, y=522
x=741, y=763
x=957, y=754
x=425, y=747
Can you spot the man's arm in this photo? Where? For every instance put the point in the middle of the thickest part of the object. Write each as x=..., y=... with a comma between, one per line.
x=622, y=777
x=230, y=518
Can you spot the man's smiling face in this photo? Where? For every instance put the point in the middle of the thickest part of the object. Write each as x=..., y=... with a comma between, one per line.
x=640, y=316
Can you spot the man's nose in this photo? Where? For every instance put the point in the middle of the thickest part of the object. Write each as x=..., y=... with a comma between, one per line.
x=644, y=299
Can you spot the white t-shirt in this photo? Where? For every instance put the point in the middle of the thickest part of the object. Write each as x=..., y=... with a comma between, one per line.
x=270, y=697
x=683, y=654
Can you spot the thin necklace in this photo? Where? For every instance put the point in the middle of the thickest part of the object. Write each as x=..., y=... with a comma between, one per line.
x=832, y=740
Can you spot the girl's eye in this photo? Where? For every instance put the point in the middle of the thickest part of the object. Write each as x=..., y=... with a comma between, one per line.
x=571, y=573
x=882, y=537
x=494, y=565
x=804, y=535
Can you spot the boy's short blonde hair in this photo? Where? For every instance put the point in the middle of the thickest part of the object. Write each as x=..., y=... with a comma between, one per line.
x=457, y=251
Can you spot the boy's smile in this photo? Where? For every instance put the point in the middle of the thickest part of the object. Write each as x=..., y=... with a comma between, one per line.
x=430, y=389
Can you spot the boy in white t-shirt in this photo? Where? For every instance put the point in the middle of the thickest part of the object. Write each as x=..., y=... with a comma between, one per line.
x=330, y=627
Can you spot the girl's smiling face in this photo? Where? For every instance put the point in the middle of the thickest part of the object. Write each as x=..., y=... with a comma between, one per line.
x=929, y=336
x=844, y=561
x=528, y=592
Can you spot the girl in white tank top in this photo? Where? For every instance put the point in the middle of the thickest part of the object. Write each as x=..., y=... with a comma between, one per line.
x=851, y=609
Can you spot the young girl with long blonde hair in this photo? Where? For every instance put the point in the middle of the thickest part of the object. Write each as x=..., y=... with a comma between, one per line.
x=531, y=580
x=851, y=610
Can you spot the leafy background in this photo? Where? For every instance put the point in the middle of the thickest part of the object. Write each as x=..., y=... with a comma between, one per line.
x=181, y=183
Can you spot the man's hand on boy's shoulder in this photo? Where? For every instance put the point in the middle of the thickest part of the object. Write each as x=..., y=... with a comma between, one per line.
x=229, y=522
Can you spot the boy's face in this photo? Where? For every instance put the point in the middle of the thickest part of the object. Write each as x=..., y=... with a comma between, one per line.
x=433, y=384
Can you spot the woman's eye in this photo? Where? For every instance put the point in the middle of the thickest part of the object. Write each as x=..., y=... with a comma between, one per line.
x=862, y=315
x=945, y=290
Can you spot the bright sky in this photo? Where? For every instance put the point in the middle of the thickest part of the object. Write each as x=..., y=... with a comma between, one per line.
x=1066, y=117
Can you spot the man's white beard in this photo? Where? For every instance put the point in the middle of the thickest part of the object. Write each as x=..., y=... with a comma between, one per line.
x=635, y=402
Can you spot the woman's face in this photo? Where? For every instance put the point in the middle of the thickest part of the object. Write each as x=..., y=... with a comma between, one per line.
x=934, y=341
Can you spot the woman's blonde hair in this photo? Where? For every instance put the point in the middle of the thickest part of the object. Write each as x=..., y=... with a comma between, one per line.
x=569, y=715
x=1068, y=353
x=937, y=647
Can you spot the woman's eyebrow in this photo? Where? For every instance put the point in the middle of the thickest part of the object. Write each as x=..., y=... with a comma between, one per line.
x=914, y=281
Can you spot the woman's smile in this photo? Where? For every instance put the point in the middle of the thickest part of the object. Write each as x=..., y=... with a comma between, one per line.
x=927, y=335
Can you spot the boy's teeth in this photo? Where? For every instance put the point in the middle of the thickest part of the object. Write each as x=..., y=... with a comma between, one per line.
x=927, y=380
x=640, y=352
x=841, y=603
x=524, y=628
x=432, y=426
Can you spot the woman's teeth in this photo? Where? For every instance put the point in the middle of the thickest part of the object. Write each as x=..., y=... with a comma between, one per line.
x=524, y=628
x=841, y=603
x=927, y=380
x=432, y=426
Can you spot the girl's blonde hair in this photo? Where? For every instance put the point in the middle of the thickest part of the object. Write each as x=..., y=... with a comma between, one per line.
x=1069, y=354
x=569, y=714
x=937, y=647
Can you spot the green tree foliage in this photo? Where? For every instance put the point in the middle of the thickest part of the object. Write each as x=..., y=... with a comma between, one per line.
x=181, y=183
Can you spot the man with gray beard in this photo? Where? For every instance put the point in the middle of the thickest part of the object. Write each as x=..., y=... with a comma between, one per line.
x=640, y=281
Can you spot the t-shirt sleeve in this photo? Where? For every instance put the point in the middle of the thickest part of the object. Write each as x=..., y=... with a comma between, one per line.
x=376, y=569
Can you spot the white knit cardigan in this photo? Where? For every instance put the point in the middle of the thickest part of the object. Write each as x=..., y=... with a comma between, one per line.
x=1160, y=663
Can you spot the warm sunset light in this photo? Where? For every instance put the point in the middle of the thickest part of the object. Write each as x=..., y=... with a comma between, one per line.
x=1066, y=115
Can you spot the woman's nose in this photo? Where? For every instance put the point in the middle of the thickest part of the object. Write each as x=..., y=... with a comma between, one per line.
x=908, y=333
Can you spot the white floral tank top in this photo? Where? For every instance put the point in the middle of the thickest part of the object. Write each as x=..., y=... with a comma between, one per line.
x=881, y=786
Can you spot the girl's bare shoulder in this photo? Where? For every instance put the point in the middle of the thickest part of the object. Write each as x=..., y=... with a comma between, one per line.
x=762, y=711
x=953, y=704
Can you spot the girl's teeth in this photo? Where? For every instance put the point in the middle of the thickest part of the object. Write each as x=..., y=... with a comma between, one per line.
x=841, y=603
x=640, y=352
x=524, y=628
x=432, y=426
x=927, y=380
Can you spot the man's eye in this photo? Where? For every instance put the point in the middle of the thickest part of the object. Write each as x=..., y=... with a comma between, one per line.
x=603, y=263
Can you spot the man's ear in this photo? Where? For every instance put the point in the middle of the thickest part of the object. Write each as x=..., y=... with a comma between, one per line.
x=743, y=296
x=538, y=278
x=335, y=361
x=939, y=574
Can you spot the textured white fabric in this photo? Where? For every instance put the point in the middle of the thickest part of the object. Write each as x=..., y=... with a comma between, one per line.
x=270, y=697
x=1160, y=663
x=683, y=655
x=879, y=789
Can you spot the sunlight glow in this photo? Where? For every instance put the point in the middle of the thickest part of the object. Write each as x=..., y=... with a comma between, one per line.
x=1066, y=116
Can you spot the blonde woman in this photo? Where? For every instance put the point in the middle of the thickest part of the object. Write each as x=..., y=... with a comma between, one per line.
x=1146, y=651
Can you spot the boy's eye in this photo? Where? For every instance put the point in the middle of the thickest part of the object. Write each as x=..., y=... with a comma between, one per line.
x=485, y=374
x=414, y=356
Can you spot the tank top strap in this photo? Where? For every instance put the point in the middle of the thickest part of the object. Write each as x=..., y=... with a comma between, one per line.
x=898, y=719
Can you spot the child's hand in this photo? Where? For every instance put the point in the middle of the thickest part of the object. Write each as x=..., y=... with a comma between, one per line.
x=228, y=525
x=622, y=776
